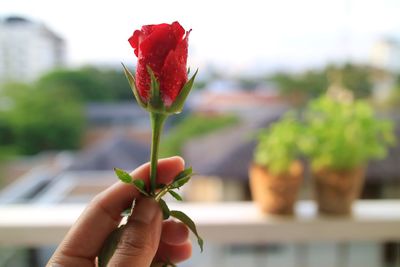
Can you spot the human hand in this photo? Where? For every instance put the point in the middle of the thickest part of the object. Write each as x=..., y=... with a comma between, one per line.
x=146, y=238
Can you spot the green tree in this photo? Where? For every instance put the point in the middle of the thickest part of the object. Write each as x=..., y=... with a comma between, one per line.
x=313, y=83
x=89, y=83
x=42, y=119
x=190, y=127
x=113, y=81
x=356, y=78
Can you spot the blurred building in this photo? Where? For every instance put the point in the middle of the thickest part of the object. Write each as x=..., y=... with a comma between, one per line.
x=385, y=54
x=27, y=49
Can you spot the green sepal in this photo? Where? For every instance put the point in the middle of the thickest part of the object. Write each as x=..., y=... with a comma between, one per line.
x=123, y=176
x=109, y=247
x=156, y=103
x=175, y=195
x=164, y=209
x=179, y=101
x=189, y=223
x=132, y=83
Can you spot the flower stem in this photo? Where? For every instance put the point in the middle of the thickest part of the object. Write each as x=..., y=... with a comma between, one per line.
x=157, y=123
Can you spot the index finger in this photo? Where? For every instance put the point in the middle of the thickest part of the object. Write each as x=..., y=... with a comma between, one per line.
x=102, y=215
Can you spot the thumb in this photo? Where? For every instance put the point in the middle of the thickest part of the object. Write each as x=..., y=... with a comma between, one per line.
x=139, y=242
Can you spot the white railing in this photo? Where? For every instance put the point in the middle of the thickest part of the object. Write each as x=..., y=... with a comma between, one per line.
x=219, y=223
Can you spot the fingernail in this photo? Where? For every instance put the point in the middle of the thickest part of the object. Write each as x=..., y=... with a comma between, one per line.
x=145, y=210
x=180, y=159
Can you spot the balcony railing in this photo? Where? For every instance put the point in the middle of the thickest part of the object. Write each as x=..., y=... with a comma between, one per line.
x=219, y=223
x=236, y=234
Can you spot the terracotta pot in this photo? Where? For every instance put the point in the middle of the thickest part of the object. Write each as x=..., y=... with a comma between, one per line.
x=275, y=194
x=335, y=191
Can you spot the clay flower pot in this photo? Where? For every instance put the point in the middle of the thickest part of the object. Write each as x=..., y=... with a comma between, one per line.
x=275, y=194
x=335, y=191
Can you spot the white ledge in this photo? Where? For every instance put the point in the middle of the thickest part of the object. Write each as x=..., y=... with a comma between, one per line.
x=223, y=223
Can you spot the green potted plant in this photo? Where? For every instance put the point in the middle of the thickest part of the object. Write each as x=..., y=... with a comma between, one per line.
x=276, y=172
x=340, y=138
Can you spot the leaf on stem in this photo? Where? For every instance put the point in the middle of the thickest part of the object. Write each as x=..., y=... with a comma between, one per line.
x=189, y=223
x=164, y=209
x=182, y=178
x=127, y=178
x=180, y=182
x=175, y=195
x=123, y=176
x=140, y=186
x=160, y=186
x=184, y=173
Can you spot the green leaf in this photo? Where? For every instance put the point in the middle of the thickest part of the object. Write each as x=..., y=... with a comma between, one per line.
x=182, y=178
x=189, y=223
x=177, y=106
x=155, y=98
x=160, y=186
x=123, y=176
x=164, y=209
x=109, y=246
x=184, y=173
x=175, y=195
x=180, y=182
x=132, y=83
x=140, y=185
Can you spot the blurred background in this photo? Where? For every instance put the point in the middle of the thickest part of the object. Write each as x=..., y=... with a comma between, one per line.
x=67, y=115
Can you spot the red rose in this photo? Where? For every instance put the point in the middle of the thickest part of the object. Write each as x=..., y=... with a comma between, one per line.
x=163, y=48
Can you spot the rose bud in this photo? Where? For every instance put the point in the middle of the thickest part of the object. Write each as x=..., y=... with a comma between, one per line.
x=161, y=84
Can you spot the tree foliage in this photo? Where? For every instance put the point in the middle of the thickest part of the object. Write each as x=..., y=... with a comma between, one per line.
x=36, y=119
x=89, y=84
x=313, y=83
x=190, y=127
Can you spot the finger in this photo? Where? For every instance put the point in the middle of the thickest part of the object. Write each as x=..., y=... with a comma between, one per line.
x=173, y=253
x=174, y=233
x=139, y=242
x=102, y=215
x=120, y=195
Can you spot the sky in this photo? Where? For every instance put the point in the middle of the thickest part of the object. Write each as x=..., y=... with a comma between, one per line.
x=236, y=36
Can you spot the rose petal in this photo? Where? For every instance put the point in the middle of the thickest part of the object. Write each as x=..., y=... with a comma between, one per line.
x=163, y=48
x=134, y=41
x=142, y=79
x=156, y=47
x=174, y=73
x=178, y=31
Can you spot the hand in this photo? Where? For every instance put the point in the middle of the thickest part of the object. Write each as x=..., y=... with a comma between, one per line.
x=146, y=238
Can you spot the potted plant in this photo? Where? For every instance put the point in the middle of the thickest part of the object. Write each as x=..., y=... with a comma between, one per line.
x=276, y=172
x=340, y=138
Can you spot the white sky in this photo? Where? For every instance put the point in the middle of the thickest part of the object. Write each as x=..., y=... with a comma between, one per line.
x=238, y=35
